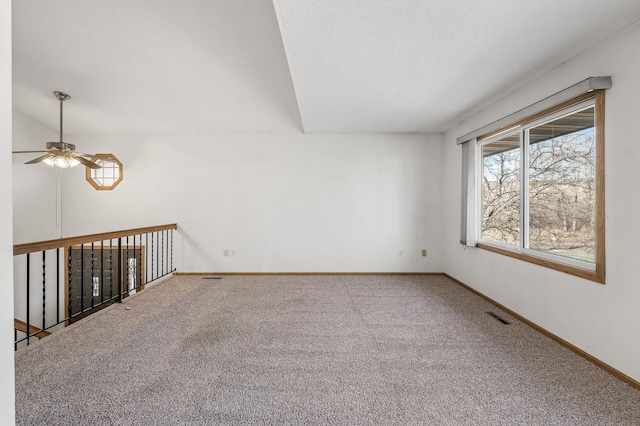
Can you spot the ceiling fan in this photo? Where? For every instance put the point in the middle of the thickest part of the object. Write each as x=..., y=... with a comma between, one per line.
x=62, y=154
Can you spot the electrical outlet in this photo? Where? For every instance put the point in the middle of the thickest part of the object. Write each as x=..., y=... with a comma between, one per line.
x=233, y=252
x=399, y=252
x=424, y=252
x=225, y=252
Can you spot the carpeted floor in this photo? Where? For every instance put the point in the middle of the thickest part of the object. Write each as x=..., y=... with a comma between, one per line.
x=347, y=350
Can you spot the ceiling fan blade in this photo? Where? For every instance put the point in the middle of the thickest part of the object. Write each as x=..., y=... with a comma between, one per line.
x=94, y=156
x=28, y=152
x=86, y=162
x=102, y=157
x=39, y=159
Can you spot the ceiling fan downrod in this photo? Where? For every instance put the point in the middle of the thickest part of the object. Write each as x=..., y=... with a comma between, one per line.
x=61, y=97
x=61, y=146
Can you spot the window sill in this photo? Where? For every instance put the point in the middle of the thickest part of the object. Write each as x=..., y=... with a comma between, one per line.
x=596, y=276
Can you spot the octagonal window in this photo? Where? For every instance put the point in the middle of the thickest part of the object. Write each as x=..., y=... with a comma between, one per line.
x=107, y=177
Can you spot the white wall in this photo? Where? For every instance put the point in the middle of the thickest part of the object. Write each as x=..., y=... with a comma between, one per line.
x=284, y=202
x=603, y=320
x=7, y=393
x=36, y=189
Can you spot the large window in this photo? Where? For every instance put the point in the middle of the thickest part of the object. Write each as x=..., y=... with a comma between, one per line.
x=542, y=188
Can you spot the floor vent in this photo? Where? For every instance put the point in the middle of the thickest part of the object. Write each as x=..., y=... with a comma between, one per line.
x=211, y=278
x=502, y=320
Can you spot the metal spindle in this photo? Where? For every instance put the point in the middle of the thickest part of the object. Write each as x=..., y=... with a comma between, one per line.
x=152, y=276
x=139, y=270
x=146, y=256
x=172, y=250
x=101, y=272
x=162, y=251
x=58, y=286
x=44, y=288
x=28, y=291
x=110, y=269
x=135, y=284
x=69, y=283
x=120, y=283
x=127, y=253
x=143, y=277
x=81, y=278
x=92, y=272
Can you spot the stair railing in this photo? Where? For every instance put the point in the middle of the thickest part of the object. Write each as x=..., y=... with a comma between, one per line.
x=58, y=282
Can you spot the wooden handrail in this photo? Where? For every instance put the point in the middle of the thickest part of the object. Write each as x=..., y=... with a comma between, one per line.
x=22, y=326
x=84, y=239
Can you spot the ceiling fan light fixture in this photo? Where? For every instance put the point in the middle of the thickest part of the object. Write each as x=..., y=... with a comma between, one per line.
x=61, y=161
x=62, y=156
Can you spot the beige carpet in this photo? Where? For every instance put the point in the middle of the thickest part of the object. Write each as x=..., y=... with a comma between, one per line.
x=346, y=350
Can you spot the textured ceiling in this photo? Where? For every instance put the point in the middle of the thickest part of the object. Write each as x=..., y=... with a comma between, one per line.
x=176, y=66
x=419, y=65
